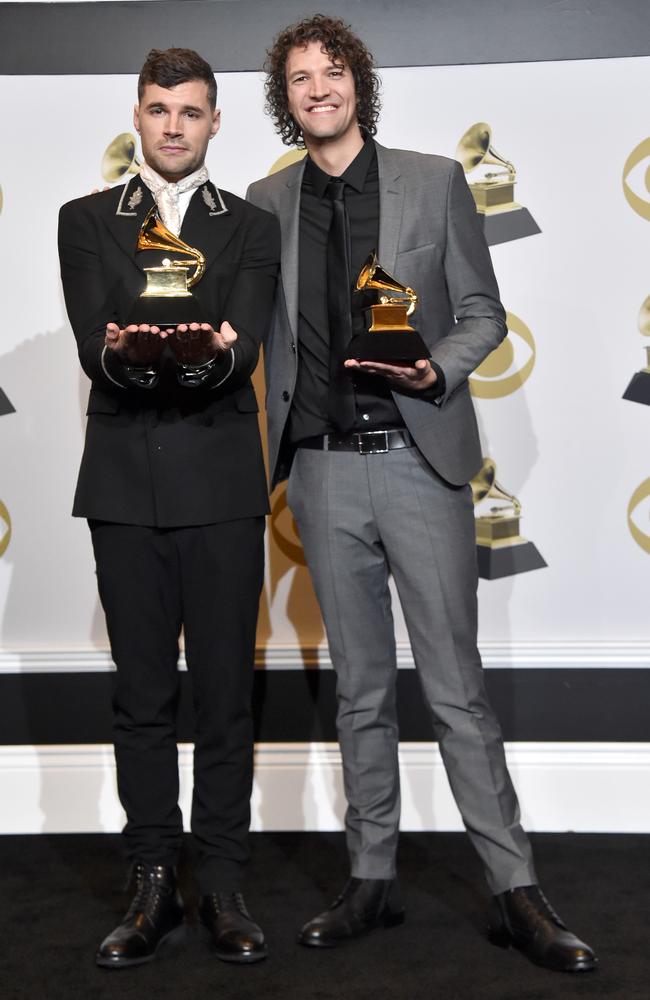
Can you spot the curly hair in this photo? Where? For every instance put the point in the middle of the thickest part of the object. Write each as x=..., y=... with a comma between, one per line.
x=169, y=67
x=340, y=43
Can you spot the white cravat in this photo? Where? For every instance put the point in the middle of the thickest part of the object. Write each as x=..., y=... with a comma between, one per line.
x=172, y=199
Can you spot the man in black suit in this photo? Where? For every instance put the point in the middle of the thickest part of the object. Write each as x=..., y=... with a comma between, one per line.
x=172, y=484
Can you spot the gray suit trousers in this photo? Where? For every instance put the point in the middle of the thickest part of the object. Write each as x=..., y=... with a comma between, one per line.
x=361, y=518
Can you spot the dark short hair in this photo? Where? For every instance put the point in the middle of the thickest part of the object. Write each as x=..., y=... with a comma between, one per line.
x=169, y=67
x=341, y=44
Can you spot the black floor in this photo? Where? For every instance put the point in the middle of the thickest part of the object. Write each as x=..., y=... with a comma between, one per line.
x=59, y=895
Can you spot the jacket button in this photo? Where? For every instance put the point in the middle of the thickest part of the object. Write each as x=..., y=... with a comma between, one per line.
x=292, y=346
x=285, y=396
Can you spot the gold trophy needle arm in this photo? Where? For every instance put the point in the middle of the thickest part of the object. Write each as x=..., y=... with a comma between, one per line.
x=198, y=263
x=154, y=235
x=397, y=300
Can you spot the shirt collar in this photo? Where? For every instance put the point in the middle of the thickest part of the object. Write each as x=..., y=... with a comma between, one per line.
x=155, y=182
x=354, y=175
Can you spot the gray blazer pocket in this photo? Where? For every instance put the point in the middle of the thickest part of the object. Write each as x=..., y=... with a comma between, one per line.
x=421, y=248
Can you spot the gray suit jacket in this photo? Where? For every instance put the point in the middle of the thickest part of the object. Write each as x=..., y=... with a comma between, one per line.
x=431, y=239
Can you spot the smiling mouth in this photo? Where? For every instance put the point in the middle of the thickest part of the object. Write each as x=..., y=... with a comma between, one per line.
x=322, y=109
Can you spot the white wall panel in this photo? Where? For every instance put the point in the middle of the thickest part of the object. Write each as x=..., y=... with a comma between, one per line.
x=565, y=442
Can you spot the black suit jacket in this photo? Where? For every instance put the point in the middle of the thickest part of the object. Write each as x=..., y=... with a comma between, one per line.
x=170, y=455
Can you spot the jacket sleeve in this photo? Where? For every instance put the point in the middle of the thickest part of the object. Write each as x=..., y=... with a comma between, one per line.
x=480, y=318
x=87, y=299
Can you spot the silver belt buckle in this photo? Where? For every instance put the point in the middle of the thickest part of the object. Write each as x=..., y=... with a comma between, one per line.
x=373, y=447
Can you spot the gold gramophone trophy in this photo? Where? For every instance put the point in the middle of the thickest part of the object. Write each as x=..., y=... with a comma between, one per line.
x=503, y=218
x=638, y=391
x=167, y=299
x=119, y=158
x=386, y=304
x=500, y=548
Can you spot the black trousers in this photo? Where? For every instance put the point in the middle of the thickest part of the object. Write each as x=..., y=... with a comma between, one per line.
x=153, y=582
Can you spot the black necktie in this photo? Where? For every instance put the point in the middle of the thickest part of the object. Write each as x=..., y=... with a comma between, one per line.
x=340, y=400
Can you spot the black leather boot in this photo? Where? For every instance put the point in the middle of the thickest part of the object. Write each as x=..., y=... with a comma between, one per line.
x=154, y=916
x=364, y=903
x=524, y=918
x=235, y=935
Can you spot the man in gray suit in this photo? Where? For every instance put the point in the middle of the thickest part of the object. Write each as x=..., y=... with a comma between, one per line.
x=379, y=457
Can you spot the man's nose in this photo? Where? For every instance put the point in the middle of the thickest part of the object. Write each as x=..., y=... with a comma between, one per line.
x=320, y=88
x=174, y=125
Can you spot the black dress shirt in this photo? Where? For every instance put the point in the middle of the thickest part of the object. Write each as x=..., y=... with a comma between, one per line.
x=375, y=407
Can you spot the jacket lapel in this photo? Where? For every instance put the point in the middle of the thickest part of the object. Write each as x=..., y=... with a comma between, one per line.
x=391, y=202
x=135, y=201
x=208, y=224
x=288, y=211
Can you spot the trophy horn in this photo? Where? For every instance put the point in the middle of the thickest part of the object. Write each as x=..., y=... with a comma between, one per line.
x=154, y=235
x=484, y=485
x=119, y=158
x=373, y=276
x=475, y=148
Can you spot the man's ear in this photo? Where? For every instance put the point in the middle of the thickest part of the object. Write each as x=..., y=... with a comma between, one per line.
x=136, y=118
x=216, y=122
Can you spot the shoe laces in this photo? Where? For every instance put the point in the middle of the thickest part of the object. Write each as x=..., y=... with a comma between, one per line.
x=150, y=890
x=535, y=903
x=223, y=901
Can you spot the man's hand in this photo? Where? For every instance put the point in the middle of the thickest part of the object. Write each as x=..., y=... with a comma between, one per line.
x=416, y=377
x=136, y=345
x=198, y=343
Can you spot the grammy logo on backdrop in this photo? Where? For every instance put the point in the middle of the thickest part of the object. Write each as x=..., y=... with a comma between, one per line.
x=638, y=391
x=508, y=366
x=5, y=529
x=500, y=548
x=503, y=218
x=638, y=173
x=640, y=494
x=119, y=158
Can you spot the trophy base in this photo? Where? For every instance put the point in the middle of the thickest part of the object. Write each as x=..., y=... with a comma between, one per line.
x=6, y=406
x=502, y=227
x=166, y=311
x=638, y=391
x=390, y=346
x=495, y=562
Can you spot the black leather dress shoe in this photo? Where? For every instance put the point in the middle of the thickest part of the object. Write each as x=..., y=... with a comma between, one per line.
x=364, y=903
x=524, y=918
x=154, y=917
x=235, y=935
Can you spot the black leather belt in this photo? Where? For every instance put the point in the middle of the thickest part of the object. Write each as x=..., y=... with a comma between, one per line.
x=365, y=443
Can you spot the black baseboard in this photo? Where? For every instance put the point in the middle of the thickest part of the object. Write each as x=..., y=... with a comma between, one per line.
x=604, y=705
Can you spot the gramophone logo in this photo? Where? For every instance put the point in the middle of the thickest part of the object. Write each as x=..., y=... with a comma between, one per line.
x=500, y=549
x=284, y=531
x=636, y=177
x=504, y=219
x=507, y=368
x=640, y=536
x=293, y=156
x=638, y=391
x=5, y=529
x=119, y=158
